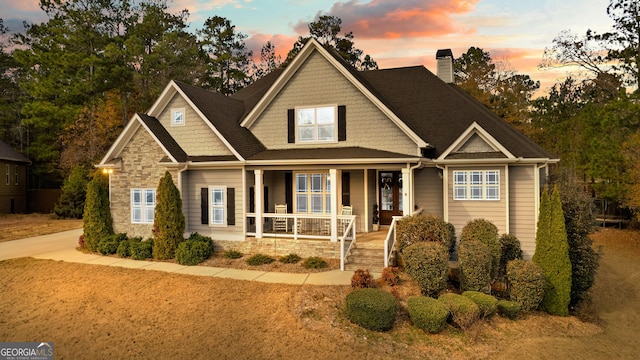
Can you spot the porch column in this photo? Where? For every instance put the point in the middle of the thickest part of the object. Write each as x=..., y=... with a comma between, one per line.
x=258, y=202
x=407, y=192
x=335, y=189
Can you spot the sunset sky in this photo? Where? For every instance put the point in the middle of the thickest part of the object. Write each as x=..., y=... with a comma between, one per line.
x=397, y=33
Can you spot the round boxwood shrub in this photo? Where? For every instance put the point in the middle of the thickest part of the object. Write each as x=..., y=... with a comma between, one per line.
x=290, y=259
x=373, y=309
x=232, y=254
x=109, y=244
x=511, y=250
x=314, y=262
x=194, y=250
x=140, y=250
x=485, y=232
x=421, y=228
x=124, y=249
x=260, y=259
x=464, y=312
x=474, y=264
x=428, y=264
x=526, y=284
x=508, y=309
x=428, y=313
x=487, y=303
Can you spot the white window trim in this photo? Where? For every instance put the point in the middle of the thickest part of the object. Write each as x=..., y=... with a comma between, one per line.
x=325, y=193
x=8, y=176
x=143, y=206
x=16, y=174
x=223, y=206
x=315, y=125
x=468, y=187
x=173, y=117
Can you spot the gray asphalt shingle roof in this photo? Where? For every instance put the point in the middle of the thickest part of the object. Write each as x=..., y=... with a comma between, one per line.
x=7, y=153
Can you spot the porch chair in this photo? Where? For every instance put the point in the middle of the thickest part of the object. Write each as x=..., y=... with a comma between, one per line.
x=280, y=224
x=346, y=210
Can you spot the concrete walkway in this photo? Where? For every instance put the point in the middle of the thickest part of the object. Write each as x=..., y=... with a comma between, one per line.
x=62, y=247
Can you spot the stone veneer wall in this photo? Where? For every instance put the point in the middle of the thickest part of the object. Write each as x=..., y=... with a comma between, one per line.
x=280, y=247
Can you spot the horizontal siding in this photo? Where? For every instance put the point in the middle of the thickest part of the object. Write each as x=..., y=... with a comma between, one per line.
x=428, y=191
x=195, y=136
x=463, y=211
x=522, y=206
x=195, y=180
x=317, y=82
x=357, y=197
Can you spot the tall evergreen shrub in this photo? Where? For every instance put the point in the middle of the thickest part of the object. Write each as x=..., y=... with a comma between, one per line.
x=485, y=232
x=552, y=255
x=73, y=196
x=169, y=222
x=98, y=223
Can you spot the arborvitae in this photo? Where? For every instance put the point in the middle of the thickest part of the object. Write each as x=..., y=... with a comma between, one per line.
x=73, y=196
x=98, y=223
x=552, y=255
x=168, y=223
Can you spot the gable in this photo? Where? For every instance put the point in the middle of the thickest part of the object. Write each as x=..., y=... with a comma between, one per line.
x=195, y=137
x=317, y=82
x=476, y=143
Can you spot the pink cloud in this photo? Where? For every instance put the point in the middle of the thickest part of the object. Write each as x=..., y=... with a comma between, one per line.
x=282, y=43
x=380, y=19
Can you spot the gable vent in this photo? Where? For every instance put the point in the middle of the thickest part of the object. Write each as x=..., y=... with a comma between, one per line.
x=444, y=59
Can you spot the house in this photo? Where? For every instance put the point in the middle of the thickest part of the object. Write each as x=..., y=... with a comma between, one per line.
x=297, y=161
x=13, y=186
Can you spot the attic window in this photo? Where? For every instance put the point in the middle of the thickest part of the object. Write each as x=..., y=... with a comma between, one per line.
x=177, y=117
x=316, y=124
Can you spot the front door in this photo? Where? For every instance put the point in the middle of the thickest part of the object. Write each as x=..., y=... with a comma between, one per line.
x=390, y=183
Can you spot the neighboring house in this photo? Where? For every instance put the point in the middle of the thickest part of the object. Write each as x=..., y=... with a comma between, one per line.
x=316, y=137
x=13, y=185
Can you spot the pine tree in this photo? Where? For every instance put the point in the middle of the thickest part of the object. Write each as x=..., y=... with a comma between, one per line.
x=168, y=223
x=98, y=223
x=552, y=255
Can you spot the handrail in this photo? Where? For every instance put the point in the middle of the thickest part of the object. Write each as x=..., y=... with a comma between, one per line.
x=343, y=253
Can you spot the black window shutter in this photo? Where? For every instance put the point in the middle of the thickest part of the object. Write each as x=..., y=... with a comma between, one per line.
x=342, y=123
x=288, y=190
x=291, y=126
x=231, y=206
x=252, y=199
x=204, y=206
x=346, y=188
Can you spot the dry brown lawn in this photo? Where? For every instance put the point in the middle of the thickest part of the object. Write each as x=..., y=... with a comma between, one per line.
x=93, y=311
x=18, y=226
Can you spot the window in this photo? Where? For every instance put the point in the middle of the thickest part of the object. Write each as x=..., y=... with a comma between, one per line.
x=16, y=174
x=316, y=124
x=476, y=185
x=177, y=117
x=217, y=205
x=143, y=203
x=8, y=174
x=313, y=193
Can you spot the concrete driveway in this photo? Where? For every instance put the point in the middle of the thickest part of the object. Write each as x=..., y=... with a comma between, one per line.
x=39, y=245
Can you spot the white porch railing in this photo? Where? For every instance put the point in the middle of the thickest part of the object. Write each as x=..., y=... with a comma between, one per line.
x=348, y=239
x=390, y=240
x=299, y=226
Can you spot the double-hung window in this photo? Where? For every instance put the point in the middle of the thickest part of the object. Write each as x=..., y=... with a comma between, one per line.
x=143, y=204
x=8, y=174
x=217, y=205
x=476, y=185
x=313, y=193
x=316, y=124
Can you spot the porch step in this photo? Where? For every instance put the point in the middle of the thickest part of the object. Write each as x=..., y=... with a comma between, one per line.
x=365, y=256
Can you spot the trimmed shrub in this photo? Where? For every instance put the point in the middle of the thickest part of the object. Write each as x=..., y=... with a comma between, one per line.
x=290, y=259
x=168, y=222
x=486, y=303
x=194, y=250
x=464, y=312
x=428, y=313
x=314, y=262
x=140, y=250
x=124, y=249
x=474, y=265
x=552, y=255
x=260, y=259
x=453, y=243
x=511, y=250
x=526, y=284
x=109, y=245
x=73, y=195
x=508, y=309
x=232, y=254
x=428, y=264
x=422, y=228
x=390, y=275
x=373, y=309
x=485, y=232
x=362, y=279
x=97, y=220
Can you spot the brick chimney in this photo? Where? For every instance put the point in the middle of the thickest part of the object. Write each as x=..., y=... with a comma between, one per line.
x=444, y=57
